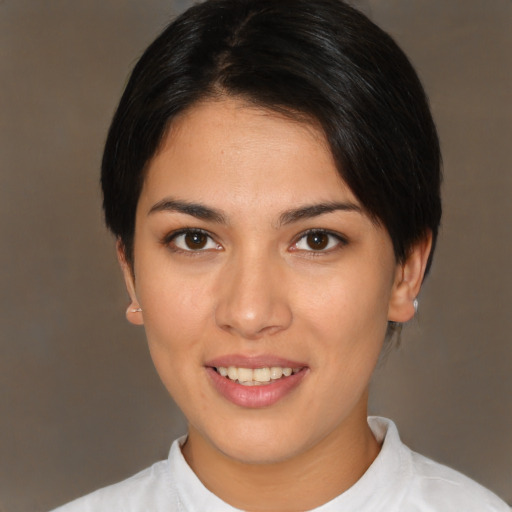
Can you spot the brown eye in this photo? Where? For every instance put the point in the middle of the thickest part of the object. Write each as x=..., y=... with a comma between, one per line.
x=191, y=240
x=317, y=241
x=196, y=240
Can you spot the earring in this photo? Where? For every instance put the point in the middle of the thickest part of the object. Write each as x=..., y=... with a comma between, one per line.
x=136, y=310
x=415, y=305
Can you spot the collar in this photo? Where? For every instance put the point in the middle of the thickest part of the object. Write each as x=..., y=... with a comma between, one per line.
x=381, y=488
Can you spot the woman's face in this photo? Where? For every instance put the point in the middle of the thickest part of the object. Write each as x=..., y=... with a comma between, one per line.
x=252, y=257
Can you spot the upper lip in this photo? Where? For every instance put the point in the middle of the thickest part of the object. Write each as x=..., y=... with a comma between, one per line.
x=256, y=361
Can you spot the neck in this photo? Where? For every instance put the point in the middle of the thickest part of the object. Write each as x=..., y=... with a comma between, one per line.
x=303, y=482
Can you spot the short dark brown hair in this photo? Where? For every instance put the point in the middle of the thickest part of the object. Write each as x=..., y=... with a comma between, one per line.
x=320, y=60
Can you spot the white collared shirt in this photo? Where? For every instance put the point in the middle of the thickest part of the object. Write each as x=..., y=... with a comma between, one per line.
x=399, y=480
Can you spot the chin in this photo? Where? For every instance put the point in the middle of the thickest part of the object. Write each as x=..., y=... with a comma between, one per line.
x=257, y=454
x=260, y=444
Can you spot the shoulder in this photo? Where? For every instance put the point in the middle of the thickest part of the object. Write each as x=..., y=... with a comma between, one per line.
x=167, y=486
x=147, y=490
x=414, y=483
x=435, y=487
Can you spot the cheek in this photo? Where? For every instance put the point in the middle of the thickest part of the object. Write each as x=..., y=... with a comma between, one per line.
x=351, y=328
x=173, y=316
x=175, y=327
x=347, y=322
x=176, y=315
x=350, y=309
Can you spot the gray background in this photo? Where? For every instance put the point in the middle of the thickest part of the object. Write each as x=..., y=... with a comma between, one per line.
x=80, y=405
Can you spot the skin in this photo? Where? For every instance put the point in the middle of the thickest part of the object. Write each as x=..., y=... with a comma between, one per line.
x=257, y=288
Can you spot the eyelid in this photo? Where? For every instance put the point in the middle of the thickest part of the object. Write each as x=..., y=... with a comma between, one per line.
x=168, y=239
x=341, y=241
x=173, y=235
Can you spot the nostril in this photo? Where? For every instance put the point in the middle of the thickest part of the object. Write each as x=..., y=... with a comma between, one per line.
x=251, y=333
x=251, y=303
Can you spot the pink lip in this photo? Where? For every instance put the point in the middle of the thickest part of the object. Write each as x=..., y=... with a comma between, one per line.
x=259, y=361
x=254, y=396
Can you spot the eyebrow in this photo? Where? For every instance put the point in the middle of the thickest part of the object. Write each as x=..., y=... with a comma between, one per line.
x=315, y=210
x=203, y=212
x=194, y=209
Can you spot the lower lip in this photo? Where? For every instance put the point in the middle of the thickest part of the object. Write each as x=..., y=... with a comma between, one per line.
x=255, y=396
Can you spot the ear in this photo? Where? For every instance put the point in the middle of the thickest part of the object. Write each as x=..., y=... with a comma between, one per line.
x=408, y=279
x=134, y=311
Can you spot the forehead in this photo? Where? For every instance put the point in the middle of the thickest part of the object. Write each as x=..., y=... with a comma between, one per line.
x=232, y=152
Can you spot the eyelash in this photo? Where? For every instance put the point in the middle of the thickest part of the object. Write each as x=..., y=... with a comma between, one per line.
x=340, y=241
x=169, y=241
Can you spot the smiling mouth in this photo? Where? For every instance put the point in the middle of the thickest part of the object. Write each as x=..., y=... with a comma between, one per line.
x=256, y=376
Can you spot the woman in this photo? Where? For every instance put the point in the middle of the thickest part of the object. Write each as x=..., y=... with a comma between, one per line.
x=272, y=176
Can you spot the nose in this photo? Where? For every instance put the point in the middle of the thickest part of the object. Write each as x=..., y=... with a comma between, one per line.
x=252, y=301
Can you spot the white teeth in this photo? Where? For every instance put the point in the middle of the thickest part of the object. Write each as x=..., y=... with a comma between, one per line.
x=257, y=376
x=232, y=373
x=276, y=372
x=245, y=374
x=261, y=374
